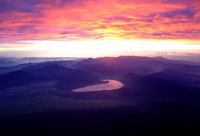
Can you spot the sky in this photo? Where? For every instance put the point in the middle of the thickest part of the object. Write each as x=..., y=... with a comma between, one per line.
x=93, y=28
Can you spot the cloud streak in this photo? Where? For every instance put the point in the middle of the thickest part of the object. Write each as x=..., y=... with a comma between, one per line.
x=25, y=20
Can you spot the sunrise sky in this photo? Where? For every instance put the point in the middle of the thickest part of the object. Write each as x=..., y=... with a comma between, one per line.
x=92, y=28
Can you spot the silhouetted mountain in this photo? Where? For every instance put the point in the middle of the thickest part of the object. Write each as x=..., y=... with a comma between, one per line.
x=181, y=77
x=155, y=88
x=8, y=69
x=4, y=61
x=17, y=78
x=43, y=73
x=56, y=72
x=139, y=65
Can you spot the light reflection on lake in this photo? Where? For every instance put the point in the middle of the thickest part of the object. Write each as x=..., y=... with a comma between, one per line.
x=109, y=85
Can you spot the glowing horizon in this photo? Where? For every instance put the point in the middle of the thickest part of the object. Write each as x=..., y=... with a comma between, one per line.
x=101, y=48
x=98, y=28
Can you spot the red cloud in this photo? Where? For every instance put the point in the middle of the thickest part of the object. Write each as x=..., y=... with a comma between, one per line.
x=101, y=19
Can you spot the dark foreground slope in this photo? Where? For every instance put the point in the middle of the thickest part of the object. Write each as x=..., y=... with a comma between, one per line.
x=158, y=119
x=161, y=108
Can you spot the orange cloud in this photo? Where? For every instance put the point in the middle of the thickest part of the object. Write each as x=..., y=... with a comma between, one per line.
x=99, y=19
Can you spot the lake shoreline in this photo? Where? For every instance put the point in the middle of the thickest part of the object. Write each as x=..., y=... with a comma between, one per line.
x=107, y=85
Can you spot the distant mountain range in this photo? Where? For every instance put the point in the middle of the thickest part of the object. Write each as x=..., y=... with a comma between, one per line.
x=182, y=72
x=10, y=61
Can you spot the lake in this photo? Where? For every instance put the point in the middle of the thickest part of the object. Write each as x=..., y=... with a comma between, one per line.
x=108, y=85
